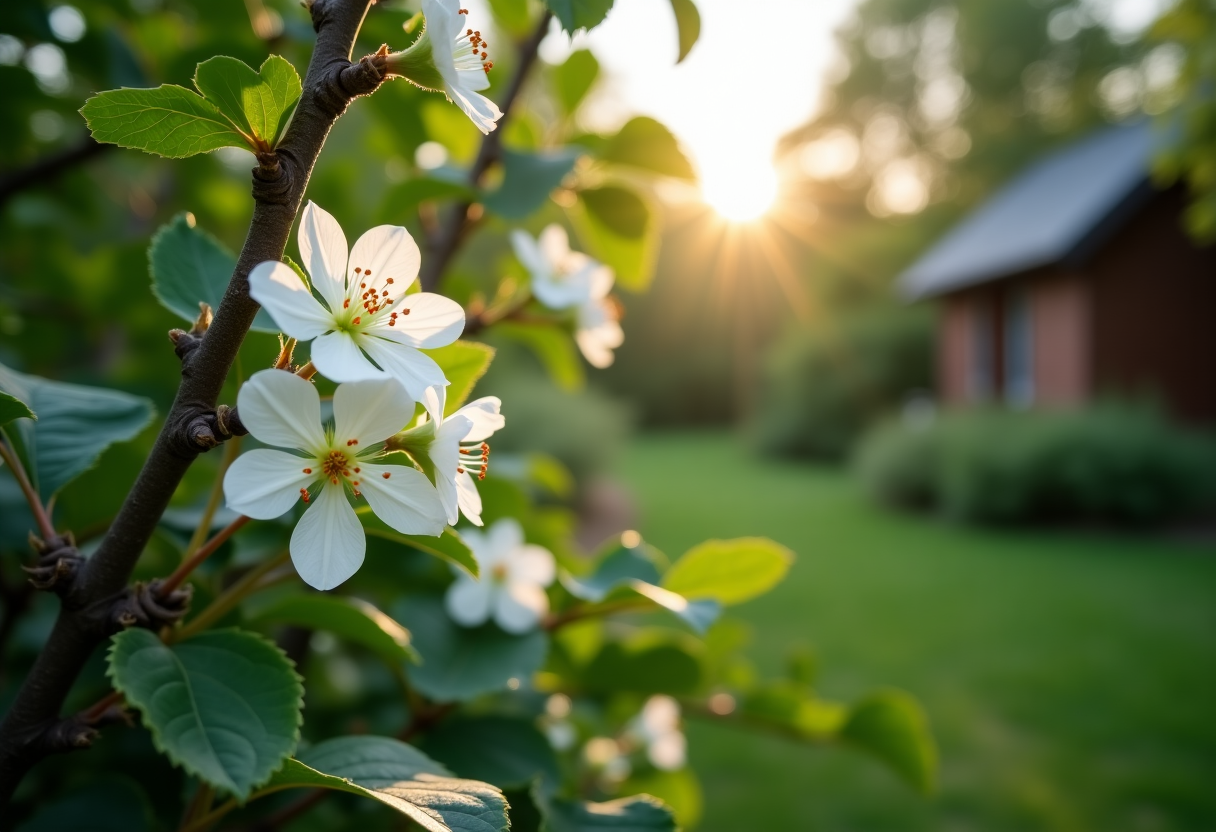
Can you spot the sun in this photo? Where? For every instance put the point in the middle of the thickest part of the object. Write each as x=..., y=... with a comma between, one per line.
x=740, y=191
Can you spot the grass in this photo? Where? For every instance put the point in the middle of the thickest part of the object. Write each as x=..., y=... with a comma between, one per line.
x=1070, y=678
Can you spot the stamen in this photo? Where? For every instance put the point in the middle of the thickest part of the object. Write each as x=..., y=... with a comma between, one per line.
x=307, y=470
x=358, y=270
x=357, y=470
x=304, y=495
x=356, y=320
x=390, y=280
x=346, y=303
x=459, y=470
x=386, y=475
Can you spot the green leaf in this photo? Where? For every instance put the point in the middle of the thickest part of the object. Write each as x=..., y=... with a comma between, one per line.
x=649, y=661
x=512, y=15
x=553, y=346
x=688, y=22
x=190, y=266
x=225, y=705
x=618, y=567
x=106, y=805
x=729, y=571
x=463, y=364
x=679, y=790
x=75, y=424
x=508, y=752
x=406, y=196
x=12, y=408
x=259, y=103
x=447, y=546
x=891, y=725
x=352, y=619
x=399, y=776
x=169, y=121
x=640, y=813
x=598, y=219
x=579, y=14
x=461, y=663
x=645, y=143
x=573, y=79
x=528, y=178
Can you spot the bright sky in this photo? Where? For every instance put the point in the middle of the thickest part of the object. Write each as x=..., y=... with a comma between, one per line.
x=755, y=73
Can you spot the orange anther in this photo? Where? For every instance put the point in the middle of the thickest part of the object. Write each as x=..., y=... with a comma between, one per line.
x=307, y=471
x=386, y=475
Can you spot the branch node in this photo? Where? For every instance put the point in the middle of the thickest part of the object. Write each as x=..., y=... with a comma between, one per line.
x=141, y=606
x=273, y=183
x=184, y=343
x=59, y=563
x=228, y=422
x=71, y=734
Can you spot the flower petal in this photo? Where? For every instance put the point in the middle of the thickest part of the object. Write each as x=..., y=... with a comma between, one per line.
x=384, y=252
x=323, y=250
x=485, y=416
x=504, y=537
x=601, y=279
x=468, y=499
x=554, y=244
x=370, y=411
x=278, y=288
x=339, y=358
x=533, y=564
x=405, y=499
x=280, y=408
x=444, y=452
x=668, y=751
x=519, y=607
x=528, y=252
x=468, y=601
x=432, y=321
x=328, y=544
x=265, y=483
x=483, y=112
x=413, y=369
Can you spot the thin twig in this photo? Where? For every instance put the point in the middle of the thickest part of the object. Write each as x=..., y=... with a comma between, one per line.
x=442, y=247
x=31, y=496
x=250, y=582
x=584, y=611
x=213, y=501
x=48, y=167
x=195, y=560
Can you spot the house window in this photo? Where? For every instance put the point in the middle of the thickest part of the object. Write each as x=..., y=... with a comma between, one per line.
x=980, y=357
x=1018, y=349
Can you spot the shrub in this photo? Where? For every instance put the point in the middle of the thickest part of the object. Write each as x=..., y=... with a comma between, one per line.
x=1109, y=462
x=823, y=388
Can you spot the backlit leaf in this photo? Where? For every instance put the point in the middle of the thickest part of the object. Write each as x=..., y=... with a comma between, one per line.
x=729, y=571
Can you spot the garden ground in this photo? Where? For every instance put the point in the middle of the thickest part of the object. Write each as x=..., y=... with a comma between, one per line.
x=1070, y=678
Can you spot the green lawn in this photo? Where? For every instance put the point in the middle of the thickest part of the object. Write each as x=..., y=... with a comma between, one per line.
x=1070, y=678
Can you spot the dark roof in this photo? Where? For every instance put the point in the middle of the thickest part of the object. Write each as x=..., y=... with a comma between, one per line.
x=1059, y=211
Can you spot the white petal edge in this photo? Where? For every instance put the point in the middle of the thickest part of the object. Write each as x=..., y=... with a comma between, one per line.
x=387, y=251
x=518, y=608
x=534, y=565
x=433, y=321
x=265, y=483
x=486, y=418
x=444, y=452
x=405, y=499
x=468, y=499
x=337, y=357
x=503, y=538
x=468, y=601
x=278, y=288
x=280, y=408
x=412, y=368
x=370, y=411
x=323, y=249
x=483, y=112
x=328, y=544
x=528, y=253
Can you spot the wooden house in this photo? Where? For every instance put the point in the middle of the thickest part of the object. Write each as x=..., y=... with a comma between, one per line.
x=1076, y=281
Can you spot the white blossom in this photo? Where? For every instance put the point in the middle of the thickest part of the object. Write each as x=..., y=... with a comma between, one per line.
x=658, y=727
x=459, y=53
x=328, y=544
x=514, y=575
x=366, y=316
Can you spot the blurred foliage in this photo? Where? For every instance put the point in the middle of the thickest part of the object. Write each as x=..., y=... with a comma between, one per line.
x=1108, y=462
x=1189, y=28
x=825, y=386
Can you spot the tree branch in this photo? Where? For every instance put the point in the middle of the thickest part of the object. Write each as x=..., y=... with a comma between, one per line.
x=330, y=84
x=44, y=169
x=457, y=222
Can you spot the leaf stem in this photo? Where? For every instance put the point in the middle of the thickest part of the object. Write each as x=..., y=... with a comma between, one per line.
x=584, y=611
x=9, y=455
x=213, y=501
x=248, y=584
x=205, y=551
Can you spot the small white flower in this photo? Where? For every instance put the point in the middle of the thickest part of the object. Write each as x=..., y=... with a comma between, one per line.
x=328, y=544
x=459, y=53
x=561, y=278
x=452, y=450
x=512, y=586
x=658, y=726
x=367, y=312
x=598, y=332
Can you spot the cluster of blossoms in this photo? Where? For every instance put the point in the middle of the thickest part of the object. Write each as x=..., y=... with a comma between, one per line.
x=655, y=732
x=367, y=332
x=566, y=279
